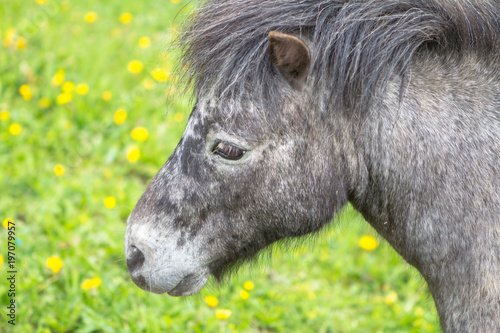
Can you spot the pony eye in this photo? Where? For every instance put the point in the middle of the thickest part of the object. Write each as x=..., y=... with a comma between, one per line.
x=228, y=151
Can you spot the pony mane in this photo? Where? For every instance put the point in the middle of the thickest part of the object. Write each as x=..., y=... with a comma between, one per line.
x=356, y=45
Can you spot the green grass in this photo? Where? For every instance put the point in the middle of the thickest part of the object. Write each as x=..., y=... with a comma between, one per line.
x=331, y=286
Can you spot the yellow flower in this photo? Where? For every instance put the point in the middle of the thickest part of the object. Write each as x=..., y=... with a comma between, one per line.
x=148, y=84
x=249, y=285
x=175, y=2
x=368, y=243
x=54, y=263
x=126, y=18
x=1, y=259
x=59, y=170
x=244, y=294
x=391, y=298
x=68, y=87
x=6, y=222
x=41, y=2
x=133, y=154
x=44, y=102
x=4, y=115
x=110, y=202
x=211, y=301
x=64, y=98
x=21, y=43
x=58, y=78
x=160, y=75
x=107, y=174
x=90, y=17
x=10, y=37
x=120, y=116
x=144, y=42
x=116, y=32
x=65, y=6
x=25, y=91
x=174, y=30
x=178, y=117
x=135, y=66
x=419, y=311
x=139, y=133
x=170, y=91
x=222, y=314
x=15, y=129
x=312, y=314
x=82, y=89
x=106, y=95
x=91, y=283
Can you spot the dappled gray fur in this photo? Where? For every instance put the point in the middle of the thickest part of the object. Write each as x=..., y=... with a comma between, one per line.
x=303, y=106
x=358, y=44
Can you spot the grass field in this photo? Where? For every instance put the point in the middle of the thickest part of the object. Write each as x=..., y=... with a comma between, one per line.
x=83, y=127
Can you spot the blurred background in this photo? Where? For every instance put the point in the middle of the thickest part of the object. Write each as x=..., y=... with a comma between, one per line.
x=90, y=109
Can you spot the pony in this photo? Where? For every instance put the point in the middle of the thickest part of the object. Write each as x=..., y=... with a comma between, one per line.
x=304, y=106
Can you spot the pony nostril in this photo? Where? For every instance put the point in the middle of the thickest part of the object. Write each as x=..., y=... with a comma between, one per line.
x=135, y=259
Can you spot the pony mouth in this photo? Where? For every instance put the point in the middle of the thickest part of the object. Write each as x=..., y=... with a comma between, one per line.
x=190, y=284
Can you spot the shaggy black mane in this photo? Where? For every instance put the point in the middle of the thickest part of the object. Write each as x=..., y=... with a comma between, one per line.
x=357, y=44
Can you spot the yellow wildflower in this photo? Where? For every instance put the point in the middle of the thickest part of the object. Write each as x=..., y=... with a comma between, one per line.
x=368, y=243
x=144, y=42
x=170, y=91
x=110, y=202
x=4, y=115
x=174, y=30
x=419, y=311
x=120, y=116
x=15, y=129
x=391, y=298
x=41, y=2
x=312, y=314
x=1, y=259
x=64, y=98
x=54, y=263
x=59, y=170
x=25, y=91
x=107, y=174
x=106, y=95
x=139, y=133
x=135, y=66
x=44, y=102
x=222, y=314
x=178, y=117
x=116, y=32
x=58, y=78
x=175, y=2
x=211, y=301
x=68, y=87
x=133, y=154
x=82, y=89
x=21, y=43
x=160, y=75
x=6, y=222
x=148, y=84
x=244, y=294
x=65, y=6
x=126, y=18
x=90, y=17
x=249, y=285
x=91, y=283
x=10, y=37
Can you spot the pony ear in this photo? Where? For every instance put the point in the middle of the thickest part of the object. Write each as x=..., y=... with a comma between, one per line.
x=291, y=55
